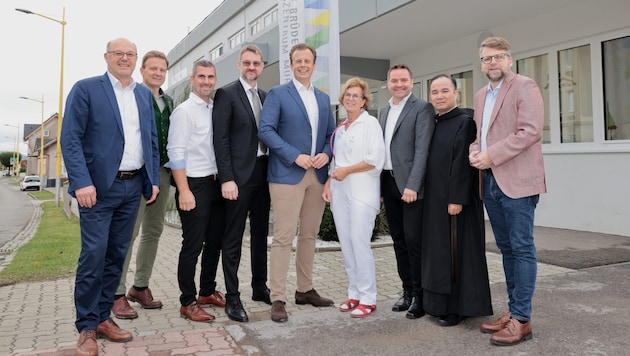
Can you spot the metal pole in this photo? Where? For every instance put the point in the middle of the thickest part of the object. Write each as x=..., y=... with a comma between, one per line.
x=62, y=22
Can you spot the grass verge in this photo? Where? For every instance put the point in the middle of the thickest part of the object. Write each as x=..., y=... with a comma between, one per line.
x=52, y=253
x=43, y=195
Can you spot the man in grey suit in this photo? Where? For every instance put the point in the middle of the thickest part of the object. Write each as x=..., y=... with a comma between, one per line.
x=407, y=124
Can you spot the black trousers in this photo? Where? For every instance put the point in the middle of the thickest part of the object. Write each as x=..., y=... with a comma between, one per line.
x=405, y=227
x=202, y=229
x=253, y=198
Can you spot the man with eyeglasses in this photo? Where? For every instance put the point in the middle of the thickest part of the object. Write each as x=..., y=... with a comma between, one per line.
x=509, y=116
x=242, y=162
x=407, y=123
x=109, y=143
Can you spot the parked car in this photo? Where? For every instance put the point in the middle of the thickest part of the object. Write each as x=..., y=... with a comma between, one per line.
x=30, y=182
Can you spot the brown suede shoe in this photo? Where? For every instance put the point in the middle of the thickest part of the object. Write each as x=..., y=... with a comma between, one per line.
x=513, y=333
x=122, y=309
x=278, y=313
x=111, y=331
x=195, y=313
x=496, y=325
x=145, y=298
x=313, y=298
x=87, y=346
x=213, y=299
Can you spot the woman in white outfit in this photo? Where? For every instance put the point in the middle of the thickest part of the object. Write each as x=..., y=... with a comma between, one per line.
x=353, y=190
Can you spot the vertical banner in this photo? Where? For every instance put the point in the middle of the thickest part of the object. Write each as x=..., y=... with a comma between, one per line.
x=315, y=22
x=291, y=30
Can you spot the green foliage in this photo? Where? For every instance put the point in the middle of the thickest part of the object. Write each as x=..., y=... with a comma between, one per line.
x=52, y=253
x=5, y=158
x=328, y=231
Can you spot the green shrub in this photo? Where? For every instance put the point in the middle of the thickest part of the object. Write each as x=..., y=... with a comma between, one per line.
x=328, y=231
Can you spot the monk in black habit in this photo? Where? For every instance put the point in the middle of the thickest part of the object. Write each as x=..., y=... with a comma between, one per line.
x=454, y=269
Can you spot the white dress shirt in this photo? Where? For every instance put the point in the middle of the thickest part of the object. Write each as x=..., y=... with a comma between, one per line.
x=392, y=118
x=310, y=102
x=133, y=155
x=190, y=138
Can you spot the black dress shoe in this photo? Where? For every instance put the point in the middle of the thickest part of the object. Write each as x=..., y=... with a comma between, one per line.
x=403, y=303
x=262, y=296
x=415, y=310
x=235, y=311
x=450, y=320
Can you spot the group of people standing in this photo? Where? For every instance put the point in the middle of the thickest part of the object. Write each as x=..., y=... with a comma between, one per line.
x=235, y=153
x=438, y=165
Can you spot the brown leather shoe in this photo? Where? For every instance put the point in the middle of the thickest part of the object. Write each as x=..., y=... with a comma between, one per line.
x=87, y=346
x=122, y=309
x=213, y=299
x=313, y=298
x=496, y=325
x=193, y=312
x=111, y=331
x=278, y=313
x=513, y=333
x=144, y=297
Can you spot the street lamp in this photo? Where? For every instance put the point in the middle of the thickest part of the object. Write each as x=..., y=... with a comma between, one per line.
x=62, y=22
x=41, y=143
x=17, y=149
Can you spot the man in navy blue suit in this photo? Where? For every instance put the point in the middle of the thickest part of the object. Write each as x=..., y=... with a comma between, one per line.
x=110, y=149
x=296, y=124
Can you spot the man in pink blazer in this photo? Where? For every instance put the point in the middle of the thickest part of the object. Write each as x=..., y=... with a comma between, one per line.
x=509, y=116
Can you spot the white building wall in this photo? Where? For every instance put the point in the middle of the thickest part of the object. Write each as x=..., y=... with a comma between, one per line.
x=587, y=183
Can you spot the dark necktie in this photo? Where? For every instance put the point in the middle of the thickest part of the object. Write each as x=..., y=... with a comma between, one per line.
x=256, y=109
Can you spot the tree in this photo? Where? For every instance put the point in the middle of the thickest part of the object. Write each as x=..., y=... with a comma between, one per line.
x=5, y=158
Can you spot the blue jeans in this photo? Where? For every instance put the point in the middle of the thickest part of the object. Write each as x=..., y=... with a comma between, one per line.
x=512, y=223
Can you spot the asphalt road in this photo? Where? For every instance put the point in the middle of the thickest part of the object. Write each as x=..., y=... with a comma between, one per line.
x=16, y=210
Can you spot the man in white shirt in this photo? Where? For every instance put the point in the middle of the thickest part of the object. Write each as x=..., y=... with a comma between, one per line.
x=198, y=195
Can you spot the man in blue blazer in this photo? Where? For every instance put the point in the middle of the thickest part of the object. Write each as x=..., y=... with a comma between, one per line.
x=296, y=124
x=110, y=149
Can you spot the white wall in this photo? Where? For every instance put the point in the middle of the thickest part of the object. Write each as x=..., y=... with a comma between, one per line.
x=588, y=183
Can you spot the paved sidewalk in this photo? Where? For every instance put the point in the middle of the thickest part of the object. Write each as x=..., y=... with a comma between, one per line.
x=38, y=318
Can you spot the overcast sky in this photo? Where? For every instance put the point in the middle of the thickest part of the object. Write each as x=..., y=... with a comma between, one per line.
x=31, y=54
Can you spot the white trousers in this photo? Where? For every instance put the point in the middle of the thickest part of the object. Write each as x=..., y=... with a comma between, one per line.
x=354, y=221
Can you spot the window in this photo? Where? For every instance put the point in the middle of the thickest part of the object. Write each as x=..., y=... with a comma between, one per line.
x=537, y=68
x=216, y=52
x=616, y=71
x=576, y=103
x=466, y=90
x=46, y=133
x=237, y=39
x=267, y=19
x=416, y=89
x=270, y=18
x=255, y=27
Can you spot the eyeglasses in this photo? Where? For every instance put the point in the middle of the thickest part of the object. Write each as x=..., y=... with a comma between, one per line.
x=353, y=96
x=256, y=64
x=497, y=58
x=121, y=54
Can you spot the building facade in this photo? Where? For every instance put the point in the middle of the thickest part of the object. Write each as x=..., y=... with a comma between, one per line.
x=33, y=139
x=578, y=51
